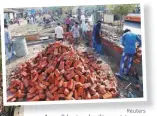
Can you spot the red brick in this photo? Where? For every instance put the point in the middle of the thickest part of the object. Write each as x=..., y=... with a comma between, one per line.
x=61, y=95
x=42, y=96
x=49, y=95
x=76, y=94
x=19, y=94
x=61, y=65
x=61, y=90
x=45, y=83
x=54, y=89
x=51, y=86
x=56, y=81
x=56, y=96
x=55, y=51
x=57, y=73
x=65, y=84
x=42, y=86
x=35, y=78
x=78, y=73
x=71, y=84
x=30, y=95
x=82, y=79
x=50, y=69
x=86, y=85
x=107, y=95
x=77, y=63
x=76, y=78
x=88, y=95
x=71, y=75
x=80, y=91
x=22, y=86
x=32, y=90
x=69, y=97
x=95, y=96
x=61, y=82
x=36, y=98
x=23, y=73
x=42, y=77
x=66, y=92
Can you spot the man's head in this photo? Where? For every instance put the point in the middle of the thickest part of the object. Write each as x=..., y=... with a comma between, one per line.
x=76, y=24
x=126, y=30
x=58, y=24
x=5, y=25
x=99, y=21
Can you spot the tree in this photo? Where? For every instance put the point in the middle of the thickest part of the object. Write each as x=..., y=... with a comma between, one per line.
x=121, y=10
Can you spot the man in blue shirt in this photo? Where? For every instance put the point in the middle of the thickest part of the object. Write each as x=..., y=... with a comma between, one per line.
x=129, y=41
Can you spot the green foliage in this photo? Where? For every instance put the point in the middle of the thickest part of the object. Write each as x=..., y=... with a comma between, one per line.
x=122, y=9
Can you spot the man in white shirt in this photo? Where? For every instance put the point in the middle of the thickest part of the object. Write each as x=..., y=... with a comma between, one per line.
x=59, y=32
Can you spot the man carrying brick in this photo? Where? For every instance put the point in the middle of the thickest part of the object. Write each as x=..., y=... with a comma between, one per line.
x=129, y=41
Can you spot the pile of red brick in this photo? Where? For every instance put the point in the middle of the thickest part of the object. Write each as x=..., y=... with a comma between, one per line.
x=62, y=73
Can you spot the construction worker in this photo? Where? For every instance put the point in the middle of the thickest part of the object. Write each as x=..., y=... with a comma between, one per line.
x=97, y=38
x=59, y=32
x=129, y=41
x=76, y=32
x=8, y=43
x=67, y=22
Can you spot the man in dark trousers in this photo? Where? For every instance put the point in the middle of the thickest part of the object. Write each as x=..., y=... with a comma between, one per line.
x=129, y=41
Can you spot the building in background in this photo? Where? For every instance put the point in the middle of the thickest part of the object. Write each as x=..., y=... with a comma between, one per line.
x=9, y=14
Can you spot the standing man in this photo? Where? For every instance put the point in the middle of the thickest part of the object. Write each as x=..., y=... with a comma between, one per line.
x=97, y=37
x=93, y=40
x=75, y=30
x=9, y=51
x=67, y=22
x=28, y=19
x=88, y=29
x=59, y=32
x=32, y=20
x=83, y=29
x=129, y=41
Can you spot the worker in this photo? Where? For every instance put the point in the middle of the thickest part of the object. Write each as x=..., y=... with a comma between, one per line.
x=67, y=22
x=75, y=31
x=83, y=29
x=97, y=37
x=93, y=40
x=129, y=41
x=88, y=29
x=59, y=32
x=28, y=20
x=32, y=20
x=8, y=43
